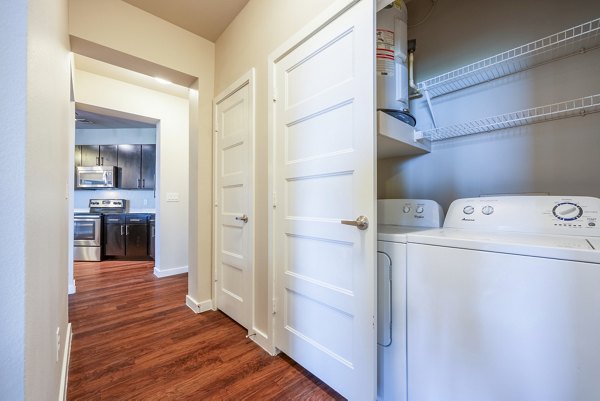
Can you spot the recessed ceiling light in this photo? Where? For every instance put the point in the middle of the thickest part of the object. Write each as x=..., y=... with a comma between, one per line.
x=163, y=81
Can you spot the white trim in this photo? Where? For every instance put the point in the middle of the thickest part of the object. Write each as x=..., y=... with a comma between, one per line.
x=198, y=307
x=247, y=79
x=72, y=288
x=160, y=273
x=64, y=374
x=263, y=341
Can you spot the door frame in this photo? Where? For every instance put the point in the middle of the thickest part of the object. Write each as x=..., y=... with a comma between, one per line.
x=318, y=23
x=247, y=79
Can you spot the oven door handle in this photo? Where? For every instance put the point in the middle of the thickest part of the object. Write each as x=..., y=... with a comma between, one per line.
x=77, y=220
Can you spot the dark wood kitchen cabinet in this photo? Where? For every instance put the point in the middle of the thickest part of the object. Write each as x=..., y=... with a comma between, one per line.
x=126, y=235
x=96, y=155
x=137, y=166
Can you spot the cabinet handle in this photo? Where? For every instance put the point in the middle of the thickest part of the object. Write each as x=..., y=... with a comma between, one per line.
x=97, y=160
x=121, y=230
x=153, y=231
x=102, y=161
x=139, y=181
x=143, y=183
x=126, y=230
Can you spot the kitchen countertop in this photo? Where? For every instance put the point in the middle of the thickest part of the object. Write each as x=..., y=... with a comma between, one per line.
x=87, y=210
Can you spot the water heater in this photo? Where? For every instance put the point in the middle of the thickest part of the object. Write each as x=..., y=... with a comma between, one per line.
x=392, y=61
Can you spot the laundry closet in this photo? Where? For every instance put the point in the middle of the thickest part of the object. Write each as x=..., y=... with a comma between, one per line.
x=504, y=98
x=502, y=67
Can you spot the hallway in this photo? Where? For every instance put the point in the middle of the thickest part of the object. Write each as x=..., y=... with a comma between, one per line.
x=135, y=339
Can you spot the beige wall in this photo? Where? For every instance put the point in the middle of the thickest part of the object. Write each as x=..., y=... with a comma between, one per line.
x=119, y=26
x=37, y=208
x=261, y=27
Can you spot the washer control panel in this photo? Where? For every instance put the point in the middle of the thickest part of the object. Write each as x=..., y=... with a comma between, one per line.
x=409, y=212
x=577, y=215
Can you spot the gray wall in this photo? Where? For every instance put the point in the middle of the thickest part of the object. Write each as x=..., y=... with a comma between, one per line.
x=558, y=157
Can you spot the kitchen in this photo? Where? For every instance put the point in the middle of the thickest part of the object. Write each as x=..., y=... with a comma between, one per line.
x=468, y=44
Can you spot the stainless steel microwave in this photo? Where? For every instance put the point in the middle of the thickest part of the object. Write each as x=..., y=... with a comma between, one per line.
x=96, y=177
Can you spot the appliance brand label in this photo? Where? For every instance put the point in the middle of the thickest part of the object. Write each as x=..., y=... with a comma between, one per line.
x=465, y=219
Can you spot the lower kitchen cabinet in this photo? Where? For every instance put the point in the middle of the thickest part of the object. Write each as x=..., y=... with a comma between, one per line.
x=126, y=235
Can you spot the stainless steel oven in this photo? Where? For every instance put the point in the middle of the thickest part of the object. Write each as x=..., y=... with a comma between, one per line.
x=87, y=236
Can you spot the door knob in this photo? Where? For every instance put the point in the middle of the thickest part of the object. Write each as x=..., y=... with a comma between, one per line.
x=244, y=218
x=361, y=222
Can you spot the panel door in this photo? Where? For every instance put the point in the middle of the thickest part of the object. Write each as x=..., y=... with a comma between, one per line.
x=130, y=162
x=108, y=155
x=90, y=155
x=148, y=166
x=233, y=267
x=324, y=168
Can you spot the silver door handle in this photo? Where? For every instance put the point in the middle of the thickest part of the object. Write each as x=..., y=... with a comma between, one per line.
x=126, y=230
x=121, y=230
x=361, y=222
x=244, y=218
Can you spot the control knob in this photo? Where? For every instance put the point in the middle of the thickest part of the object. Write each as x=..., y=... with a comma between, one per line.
x=567, y=211
x=468, y=210
x=487, y=210
x=406, y=209
x=420, y=209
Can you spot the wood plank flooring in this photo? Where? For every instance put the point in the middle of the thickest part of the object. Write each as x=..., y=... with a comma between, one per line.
x=134, y=339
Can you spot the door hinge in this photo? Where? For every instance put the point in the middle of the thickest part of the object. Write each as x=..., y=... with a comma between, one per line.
x=274, y=306
x=274, y=199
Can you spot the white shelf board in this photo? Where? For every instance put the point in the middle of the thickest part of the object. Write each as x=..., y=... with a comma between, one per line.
x=396, y=138
x=570, y=108
x=569, y=42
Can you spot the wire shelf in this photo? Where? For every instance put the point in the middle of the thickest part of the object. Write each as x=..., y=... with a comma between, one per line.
x=560, y=45
x=571, y=108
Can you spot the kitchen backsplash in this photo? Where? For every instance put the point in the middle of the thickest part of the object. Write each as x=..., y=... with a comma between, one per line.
x=139, y=200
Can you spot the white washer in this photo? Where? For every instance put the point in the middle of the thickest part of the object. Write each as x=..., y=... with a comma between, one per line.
x=504, y=302
x=396, y=218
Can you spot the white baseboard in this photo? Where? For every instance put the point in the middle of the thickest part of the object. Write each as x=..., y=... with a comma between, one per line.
x=198, y=307
x=72, y=288
x=64, y=374
x=158, y=272
x=263, y=341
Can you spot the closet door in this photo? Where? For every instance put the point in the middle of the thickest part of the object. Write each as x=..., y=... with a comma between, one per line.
x=324, y=166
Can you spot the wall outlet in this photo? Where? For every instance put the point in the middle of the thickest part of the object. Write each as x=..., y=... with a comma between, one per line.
x=57, y=343
x=172, y=196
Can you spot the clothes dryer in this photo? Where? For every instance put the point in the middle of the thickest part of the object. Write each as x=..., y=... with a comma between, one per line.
x=396, y=218
x=503, y=302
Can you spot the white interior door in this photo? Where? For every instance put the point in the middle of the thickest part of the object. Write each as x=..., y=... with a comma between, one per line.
x=233, y=167
x=324, y=171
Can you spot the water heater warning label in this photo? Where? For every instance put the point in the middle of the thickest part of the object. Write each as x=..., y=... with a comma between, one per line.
x=385, y=52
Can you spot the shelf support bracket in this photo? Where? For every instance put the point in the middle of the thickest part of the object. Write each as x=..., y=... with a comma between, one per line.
x=428, y=97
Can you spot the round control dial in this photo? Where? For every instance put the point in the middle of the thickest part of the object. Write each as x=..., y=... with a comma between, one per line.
x=468, y=210
x=487, y=210
x=406, y=209
x=567, y=211
x=420, y=209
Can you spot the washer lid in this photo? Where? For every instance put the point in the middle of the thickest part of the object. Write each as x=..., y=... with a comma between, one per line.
x=393, y=233
x=563, y=247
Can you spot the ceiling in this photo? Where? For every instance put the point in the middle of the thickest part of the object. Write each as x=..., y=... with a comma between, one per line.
x=205, y=18
x=85, y=119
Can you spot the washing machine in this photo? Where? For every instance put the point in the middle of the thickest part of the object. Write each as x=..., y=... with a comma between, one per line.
x=396, y=218
x=503, y=302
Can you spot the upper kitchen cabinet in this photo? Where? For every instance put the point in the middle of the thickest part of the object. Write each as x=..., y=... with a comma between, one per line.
x=137, y=166
x=96, y=155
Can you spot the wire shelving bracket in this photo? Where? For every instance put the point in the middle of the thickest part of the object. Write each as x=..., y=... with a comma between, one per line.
x=571, y=41
x=570, y=108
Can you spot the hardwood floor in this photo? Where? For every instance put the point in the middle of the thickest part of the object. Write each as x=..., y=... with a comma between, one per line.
x=134, y=339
